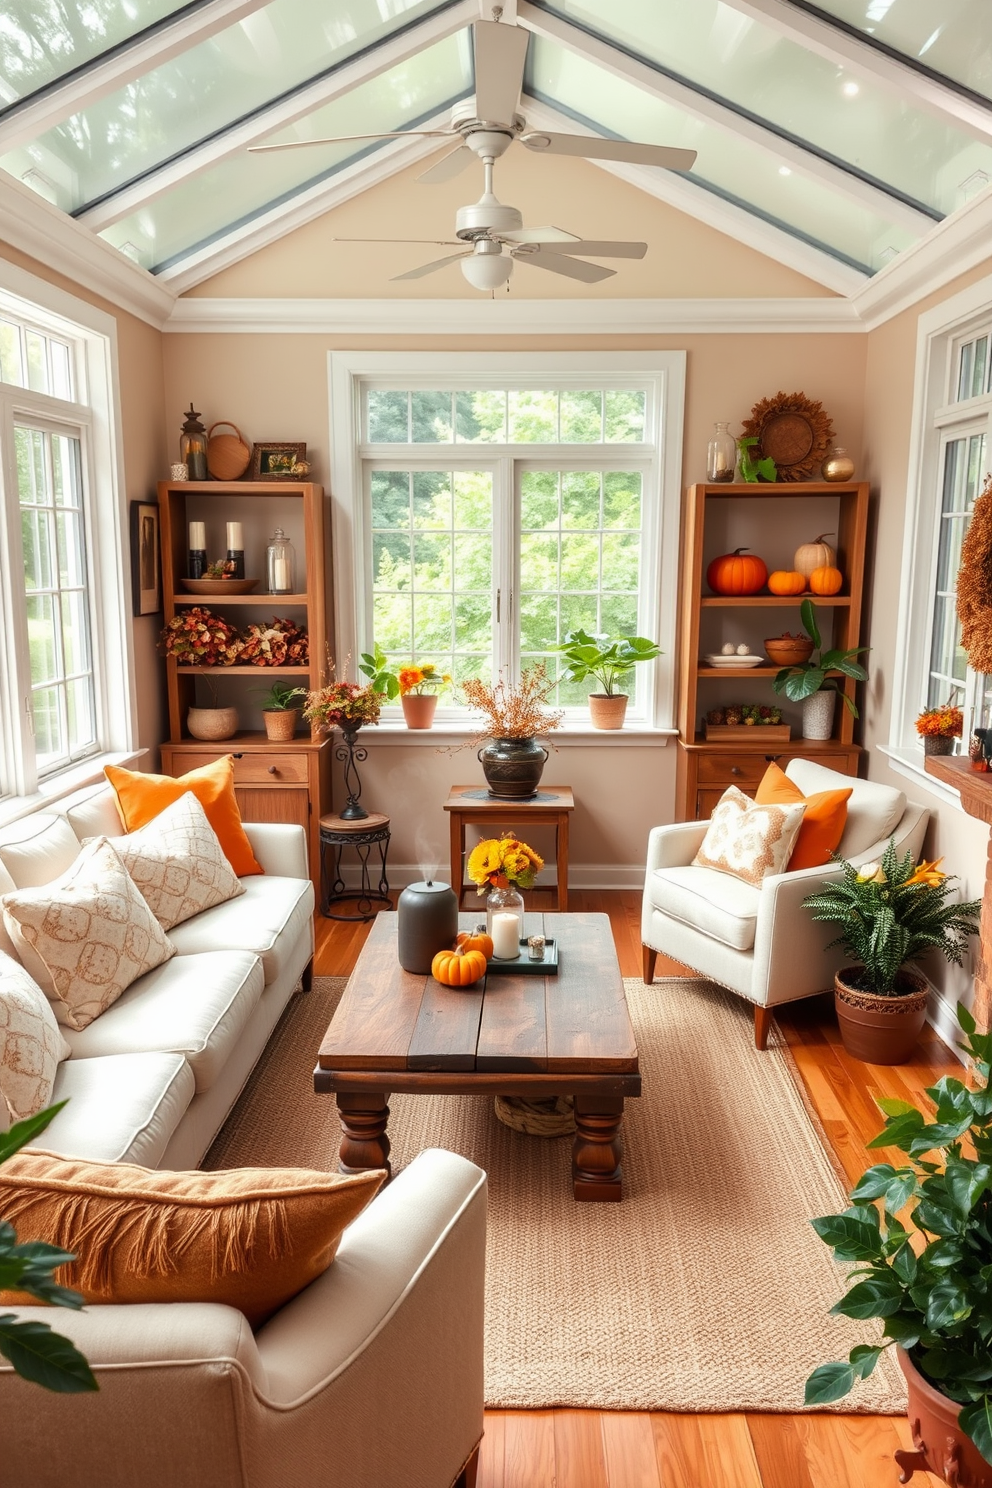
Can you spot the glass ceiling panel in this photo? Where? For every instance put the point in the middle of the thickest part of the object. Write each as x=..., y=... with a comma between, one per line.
x=200, y=93
x=732, y=167
x=41, y=40
x=953, y=37
x=750, y=65
x=206, y=206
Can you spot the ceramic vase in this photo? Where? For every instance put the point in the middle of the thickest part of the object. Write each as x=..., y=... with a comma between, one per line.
x=818, y=714
x=513, y=767
x=418, y=709
x=212, y=723
x=877, y=1029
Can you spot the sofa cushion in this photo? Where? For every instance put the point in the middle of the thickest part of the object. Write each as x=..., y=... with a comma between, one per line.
x=823, y=820
x=250, y=1238
x=873, y=812
x=748, y=840
x=268, y=918
x=87, y=936
x=719, y=904
x=94, y=813
x=178, y=864
x=38, y=849
x=31, y=1042
x=7, y=885
x=196, y=1006
x=141, y=797
x=121, y=1108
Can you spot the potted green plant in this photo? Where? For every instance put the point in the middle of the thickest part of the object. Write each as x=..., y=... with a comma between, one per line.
x=279, y=711
x=890, y=912
x=919, y=1236
x=810, y=683
x=374, y=665
x=611, y=660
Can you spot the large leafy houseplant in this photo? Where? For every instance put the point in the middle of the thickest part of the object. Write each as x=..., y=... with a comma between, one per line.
x=35, y=1351
x=611, y=660
x=801, y=680
x=920, y=1237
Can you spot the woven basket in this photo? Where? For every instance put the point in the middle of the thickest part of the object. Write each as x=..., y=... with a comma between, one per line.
x=228, y=456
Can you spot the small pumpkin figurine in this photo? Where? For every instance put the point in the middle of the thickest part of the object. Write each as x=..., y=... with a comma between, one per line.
x=739, y=572
x=475, y=940
x=458, y=968
x=786, y=581
x=816, y=554
x=826, y=580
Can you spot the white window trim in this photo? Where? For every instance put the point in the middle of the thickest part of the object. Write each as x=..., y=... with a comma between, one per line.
x=26, y=296
x=939, y=331
x=661, y=372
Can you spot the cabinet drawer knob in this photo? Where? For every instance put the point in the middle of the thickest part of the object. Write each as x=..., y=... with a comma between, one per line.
x=239, y=755
x=273, y=770
x=735, y=770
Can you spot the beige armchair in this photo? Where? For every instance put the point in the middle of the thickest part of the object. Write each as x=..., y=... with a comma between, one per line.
x=760, y=942
x=372, y=1377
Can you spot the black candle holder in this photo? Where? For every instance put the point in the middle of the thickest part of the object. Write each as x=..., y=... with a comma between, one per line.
x=351, y=755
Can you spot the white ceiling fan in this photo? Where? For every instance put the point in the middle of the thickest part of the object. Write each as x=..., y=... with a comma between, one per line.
x=486, y=128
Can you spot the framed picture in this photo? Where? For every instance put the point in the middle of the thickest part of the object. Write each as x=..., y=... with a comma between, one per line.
x=146, y=566
x=279, y=461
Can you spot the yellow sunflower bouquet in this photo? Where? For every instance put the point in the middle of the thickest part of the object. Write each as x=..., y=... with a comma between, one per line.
x=498, y=863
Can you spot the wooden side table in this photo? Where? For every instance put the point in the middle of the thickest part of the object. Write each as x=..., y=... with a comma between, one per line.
x=336, y=834
x=471, y=805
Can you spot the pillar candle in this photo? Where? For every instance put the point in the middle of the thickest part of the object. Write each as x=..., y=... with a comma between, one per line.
x=197, y=536
x=235, y=537
x=280, y=575
x=506, y=929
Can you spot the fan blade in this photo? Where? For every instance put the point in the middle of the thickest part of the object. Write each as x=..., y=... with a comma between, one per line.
x=344, y=139
x=608, y=149
x=604, y=249
x=439, y=263
x=500, y=52
x=448, y=167
x=434, y=242
x=537, y=235
x=571, y=267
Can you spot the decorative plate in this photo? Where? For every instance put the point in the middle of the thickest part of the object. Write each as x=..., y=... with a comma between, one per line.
x=219, y=586
x=734, y=661
x=794, y=431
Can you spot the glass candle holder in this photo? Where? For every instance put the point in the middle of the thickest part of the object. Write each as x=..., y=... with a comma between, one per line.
x=505, y=922
x=721, y=454
x=280, y=564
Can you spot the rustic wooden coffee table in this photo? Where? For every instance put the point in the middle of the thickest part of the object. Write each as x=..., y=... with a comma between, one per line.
x=511, y=1034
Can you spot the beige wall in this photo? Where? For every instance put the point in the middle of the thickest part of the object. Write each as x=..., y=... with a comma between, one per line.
x=139, y=353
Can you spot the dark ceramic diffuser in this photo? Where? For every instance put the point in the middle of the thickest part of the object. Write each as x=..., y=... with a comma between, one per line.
x=426, y=922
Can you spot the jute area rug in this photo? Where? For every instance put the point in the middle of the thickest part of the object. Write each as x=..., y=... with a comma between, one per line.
x=706, y=1289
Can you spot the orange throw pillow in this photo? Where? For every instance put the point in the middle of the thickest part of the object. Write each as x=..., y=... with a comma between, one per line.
x=140, y=798
x=823, y=822
x=248, y=1237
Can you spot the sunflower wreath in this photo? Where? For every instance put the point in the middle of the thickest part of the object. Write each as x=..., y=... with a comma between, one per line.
x=794, y=431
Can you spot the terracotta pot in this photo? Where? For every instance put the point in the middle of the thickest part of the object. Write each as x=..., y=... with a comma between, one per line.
x=212, y=723
x=513, y=767
x=880, y=1030
x=938, y=744
x=941, y=1447
x=606, y=711
x=418, y=709
x=280, y=723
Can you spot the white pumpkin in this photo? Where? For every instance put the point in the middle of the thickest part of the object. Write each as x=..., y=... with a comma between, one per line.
x=816, y=554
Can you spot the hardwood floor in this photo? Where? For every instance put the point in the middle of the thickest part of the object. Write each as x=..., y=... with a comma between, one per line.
x=635, y=1449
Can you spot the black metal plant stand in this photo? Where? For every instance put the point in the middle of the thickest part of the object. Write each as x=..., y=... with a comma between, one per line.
x=351, y=756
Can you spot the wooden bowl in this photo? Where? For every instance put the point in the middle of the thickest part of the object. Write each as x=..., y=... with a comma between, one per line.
x=788, y=652
x=218, y=586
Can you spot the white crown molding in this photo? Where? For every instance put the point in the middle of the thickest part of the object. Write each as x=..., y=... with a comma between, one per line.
x=46, y=234
x=509, y=317
x=952, y=248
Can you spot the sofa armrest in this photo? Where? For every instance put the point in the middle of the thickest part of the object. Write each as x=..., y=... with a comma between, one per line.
x=280, y=847
x=674, y=846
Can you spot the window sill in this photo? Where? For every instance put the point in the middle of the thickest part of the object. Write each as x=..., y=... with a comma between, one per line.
x=445, y=735
x=57, y=787
x=909, y=762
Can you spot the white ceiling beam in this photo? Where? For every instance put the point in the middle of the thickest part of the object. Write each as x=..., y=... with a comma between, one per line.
x=706, y=206
x=389, y=160
x=697, y=105
x=132, y=59
x=389, y=53
x=839, y=46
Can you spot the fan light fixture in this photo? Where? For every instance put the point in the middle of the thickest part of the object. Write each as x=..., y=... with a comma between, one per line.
x=487, y=270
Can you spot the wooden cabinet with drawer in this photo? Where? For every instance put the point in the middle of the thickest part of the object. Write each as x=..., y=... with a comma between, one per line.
x=703, y=776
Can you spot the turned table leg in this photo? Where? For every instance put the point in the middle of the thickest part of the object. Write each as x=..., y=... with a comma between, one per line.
x=596, y=1172
x=364, y=1143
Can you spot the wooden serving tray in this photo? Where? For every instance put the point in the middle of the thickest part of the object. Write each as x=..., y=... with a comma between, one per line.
x=766, y=733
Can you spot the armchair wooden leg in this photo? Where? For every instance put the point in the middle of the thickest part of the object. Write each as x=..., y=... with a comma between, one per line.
x=306, y=980
x=762, y=1025
x=469, y=1473
x=648, y=959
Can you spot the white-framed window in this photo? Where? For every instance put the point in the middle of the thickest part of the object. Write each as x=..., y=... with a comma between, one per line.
x=951, y=459
x=491, y=503
x=66, y=677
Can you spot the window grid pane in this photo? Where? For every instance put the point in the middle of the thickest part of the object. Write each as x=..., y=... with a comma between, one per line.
x=964, y=465
x=516, y=416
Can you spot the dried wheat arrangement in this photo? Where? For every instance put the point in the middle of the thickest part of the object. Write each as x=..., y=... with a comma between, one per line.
x=975, y=584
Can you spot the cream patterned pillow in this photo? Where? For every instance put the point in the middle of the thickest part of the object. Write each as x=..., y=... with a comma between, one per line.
x=31, y=1042
x=178, y=864
x=86, y=936
x=748, y=840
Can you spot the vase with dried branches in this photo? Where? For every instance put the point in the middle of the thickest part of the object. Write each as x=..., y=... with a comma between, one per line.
x=514, y=714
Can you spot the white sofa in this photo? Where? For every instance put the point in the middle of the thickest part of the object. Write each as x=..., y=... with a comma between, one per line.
x=152, y=1079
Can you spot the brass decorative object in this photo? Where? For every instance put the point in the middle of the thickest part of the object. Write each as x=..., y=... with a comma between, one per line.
x=793, y=431
x=838, y=466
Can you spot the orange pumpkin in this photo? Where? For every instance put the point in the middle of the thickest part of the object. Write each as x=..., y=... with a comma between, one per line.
x=826, y=580
x=475, y=940
x=786, y=581
x=458, y=968
x=739, y=572
x=817, y=554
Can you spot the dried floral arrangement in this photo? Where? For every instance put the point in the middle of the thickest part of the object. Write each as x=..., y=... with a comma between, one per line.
x=514, y=710
x=198, y=637
x=746, y=713
x=280, y=643
x=975, y=584
x=344, y=705
x=945, y=722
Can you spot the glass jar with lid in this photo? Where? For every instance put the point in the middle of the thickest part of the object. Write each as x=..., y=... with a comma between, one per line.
x=280, y=564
